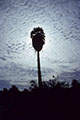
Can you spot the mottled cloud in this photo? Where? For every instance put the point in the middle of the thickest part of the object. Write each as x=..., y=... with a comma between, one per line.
x=60, y=21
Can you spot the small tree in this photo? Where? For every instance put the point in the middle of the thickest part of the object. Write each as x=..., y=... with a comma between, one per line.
x=38, y=40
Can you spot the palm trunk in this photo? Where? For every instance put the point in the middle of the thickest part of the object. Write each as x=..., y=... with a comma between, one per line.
x=39, y=71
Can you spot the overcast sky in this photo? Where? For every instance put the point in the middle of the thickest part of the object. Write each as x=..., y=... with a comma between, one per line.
x=60, y=56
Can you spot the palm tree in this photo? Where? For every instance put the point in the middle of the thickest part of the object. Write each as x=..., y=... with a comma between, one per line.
x=38, y=40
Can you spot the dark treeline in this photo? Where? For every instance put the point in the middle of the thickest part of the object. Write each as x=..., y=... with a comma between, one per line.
x=55, y=100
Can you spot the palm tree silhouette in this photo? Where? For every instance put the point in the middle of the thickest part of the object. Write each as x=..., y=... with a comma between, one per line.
x=38, y=40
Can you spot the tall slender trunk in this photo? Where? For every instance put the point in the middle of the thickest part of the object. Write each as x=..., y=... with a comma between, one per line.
x=39, y=70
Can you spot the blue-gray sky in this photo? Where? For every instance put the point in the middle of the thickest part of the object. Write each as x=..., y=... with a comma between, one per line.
x=60, y=56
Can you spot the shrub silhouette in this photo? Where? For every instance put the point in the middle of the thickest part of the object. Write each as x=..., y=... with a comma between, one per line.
x=75, y=84
x=33, y=85
x=54, y=101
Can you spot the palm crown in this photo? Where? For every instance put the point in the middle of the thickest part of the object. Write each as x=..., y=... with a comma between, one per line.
x=38, y=38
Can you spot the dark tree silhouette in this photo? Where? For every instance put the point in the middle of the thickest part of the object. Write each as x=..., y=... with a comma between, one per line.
x=54, y=101
x=38, y=40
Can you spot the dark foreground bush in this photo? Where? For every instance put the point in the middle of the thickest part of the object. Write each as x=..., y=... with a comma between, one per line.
x=56, y=101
